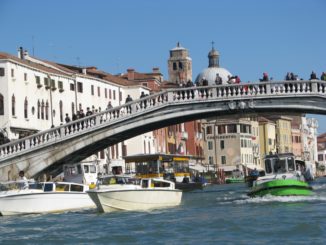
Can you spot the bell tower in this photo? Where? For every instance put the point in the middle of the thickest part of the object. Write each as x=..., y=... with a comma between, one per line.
x=179, y=65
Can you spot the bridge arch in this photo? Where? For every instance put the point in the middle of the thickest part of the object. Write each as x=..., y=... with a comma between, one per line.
x=79, y=139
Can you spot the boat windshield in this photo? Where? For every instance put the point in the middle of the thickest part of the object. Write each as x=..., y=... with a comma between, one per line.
x=280, y=166
x=112, y=180
x=16, y=185
x=291, y=164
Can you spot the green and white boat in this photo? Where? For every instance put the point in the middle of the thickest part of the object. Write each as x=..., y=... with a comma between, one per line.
x=283, y=178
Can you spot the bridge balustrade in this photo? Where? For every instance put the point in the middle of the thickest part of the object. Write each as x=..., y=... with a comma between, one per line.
x=161, y=99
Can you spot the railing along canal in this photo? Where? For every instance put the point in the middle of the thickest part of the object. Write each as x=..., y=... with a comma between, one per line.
x=178, y=95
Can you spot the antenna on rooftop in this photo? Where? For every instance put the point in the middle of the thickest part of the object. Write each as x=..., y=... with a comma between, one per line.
x=33, y=45
x=78, y=60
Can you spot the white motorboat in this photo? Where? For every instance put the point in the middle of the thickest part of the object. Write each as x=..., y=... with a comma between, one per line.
x=123, y=193
x=43, y=197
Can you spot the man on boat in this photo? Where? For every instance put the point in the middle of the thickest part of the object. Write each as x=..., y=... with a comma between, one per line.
x=23, y=183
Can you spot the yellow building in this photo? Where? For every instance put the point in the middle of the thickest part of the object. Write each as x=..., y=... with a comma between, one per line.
x=267, y=137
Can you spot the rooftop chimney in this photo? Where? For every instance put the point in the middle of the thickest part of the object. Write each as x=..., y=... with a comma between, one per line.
x=20, y=53
x=131, y=74
x=156, y=70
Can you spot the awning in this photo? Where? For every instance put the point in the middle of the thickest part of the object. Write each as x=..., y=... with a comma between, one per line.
x=252, y=166
x=228, y=168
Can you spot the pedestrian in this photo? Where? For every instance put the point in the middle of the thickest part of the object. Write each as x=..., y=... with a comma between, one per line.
x=128, y=100
x=88, y=112
x=67, y=120
x=218, y=79
x=313, y=76
x=109, y=106
x=143, y=103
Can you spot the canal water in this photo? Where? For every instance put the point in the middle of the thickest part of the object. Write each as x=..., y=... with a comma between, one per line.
x=220, y=214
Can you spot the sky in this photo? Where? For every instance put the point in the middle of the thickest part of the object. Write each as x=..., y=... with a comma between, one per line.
x=252, y=36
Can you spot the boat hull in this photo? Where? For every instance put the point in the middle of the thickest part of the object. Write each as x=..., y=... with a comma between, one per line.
x=281, y=187
x=43, y=202
x=234, y=180
x=108, y=201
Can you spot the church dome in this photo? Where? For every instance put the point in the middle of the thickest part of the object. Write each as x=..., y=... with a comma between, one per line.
x=213, y=69
x=210, y=75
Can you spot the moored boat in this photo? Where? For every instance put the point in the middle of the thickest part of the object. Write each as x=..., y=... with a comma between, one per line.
x=282, y=178
x=43, y=197
x=122, y=193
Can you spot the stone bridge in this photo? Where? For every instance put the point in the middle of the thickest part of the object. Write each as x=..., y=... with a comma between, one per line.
x=79, y=139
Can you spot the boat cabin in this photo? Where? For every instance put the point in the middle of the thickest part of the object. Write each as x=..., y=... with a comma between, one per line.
x=173, y=167
x=150, y=183
x=280, y=163
x=83, y=172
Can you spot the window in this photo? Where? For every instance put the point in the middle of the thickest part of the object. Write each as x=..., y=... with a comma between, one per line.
x=1, y=105
x=209, y=130
x=223, y=159
x=53, y=87
x=174, y=66
x=46, y=83
x=210, y=160
x=102, y=155
x=222, y=144
x=72, y=108
x=232, y=128
x=79, y=87
x=47, y=110
x=25, y=77
x=42, y=110
x=60, y=86
x=221, y=129
x=13, y=105
x=61, y=110
x=120, y=96
x=112, y=152
x=210, y=145
x=180, y=66
x=38, y=81
x=106, y=93
x=12, y=73
x=110, y=94
x=245, y=129
x=320, y=157
x=2, y=72
x=72, y=87
x=38, y=109
x=98, y=91
x=114, y=94
x=92, y=89
x=26, y=108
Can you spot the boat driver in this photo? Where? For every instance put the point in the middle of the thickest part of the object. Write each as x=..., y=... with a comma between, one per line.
x=23, y=183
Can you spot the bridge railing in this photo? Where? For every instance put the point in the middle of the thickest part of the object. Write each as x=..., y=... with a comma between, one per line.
x=176, y=95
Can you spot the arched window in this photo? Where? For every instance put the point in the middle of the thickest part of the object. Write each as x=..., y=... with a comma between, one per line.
x=42, y=110
x=72, y=108
x=26, y=108
x=13, y=105
x=1, y=105
x=61, y=110
x=38, y=109
x=47, y=110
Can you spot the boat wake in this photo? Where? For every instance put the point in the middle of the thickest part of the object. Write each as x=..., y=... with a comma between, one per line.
x=282, y=199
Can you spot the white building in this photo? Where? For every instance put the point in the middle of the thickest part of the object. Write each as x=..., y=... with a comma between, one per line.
x=36, y=94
